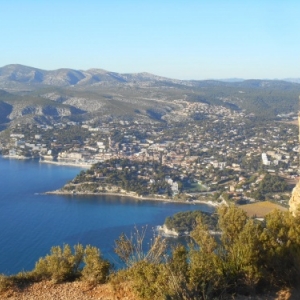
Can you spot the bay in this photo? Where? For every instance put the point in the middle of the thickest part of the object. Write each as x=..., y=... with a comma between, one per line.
x=32, y=222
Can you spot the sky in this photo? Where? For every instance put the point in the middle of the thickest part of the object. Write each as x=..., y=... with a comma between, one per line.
x=186, y=39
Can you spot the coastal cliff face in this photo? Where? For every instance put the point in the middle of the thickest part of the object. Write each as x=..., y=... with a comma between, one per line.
x=295, y=200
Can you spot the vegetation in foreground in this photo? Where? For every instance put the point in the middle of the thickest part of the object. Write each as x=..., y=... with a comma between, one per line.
x=249, y=257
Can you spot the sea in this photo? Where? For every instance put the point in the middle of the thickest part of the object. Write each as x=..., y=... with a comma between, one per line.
x=31, y=222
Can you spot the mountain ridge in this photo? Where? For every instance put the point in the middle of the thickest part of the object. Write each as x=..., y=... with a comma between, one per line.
x=30, y=94
x=19, y=73
x=67, y=77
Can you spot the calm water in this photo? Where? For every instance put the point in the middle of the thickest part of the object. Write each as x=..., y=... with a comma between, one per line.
x=30, y=222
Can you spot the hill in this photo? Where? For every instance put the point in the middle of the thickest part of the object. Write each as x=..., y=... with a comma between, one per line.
x=34, y=95
x=18, y=76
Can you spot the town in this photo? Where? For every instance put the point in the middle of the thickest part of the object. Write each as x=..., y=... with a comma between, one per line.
x=208, y=152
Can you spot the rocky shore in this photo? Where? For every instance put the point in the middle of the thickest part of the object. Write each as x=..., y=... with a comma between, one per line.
x=129, y=195
x=19, y=157
x=71, y=164
x=84, y=165
x=164, y=231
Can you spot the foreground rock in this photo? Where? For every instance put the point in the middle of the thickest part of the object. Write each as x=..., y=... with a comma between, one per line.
x=46, y=290
x=81, y=291
x=295, y=200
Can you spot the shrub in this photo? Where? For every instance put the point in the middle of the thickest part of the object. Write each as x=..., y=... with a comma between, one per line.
x=149, y=280
x=96, y=268
x=132, y=250
x=61, y=264
x=5, y=282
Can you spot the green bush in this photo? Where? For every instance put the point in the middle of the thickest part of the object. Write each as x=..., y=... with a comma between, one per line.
x=61, y=264
x=96, y=268
x=148, y=280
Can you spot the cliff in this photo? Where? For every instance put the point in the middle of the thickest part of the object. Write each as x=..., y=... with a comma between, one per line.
x=295, y=200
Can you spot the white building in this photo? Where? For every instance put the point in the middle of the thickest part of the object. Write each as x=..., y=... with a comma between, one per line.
x=265, y=160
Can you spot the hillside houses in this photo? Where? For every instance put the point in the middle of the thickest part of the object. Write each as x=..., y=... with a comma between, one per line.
x=215, y=146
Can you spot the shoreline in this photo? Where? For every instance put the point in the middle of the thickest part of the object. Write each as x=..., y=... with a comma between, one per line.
x=87, y=166
x=168, y=200
x=18, y=157
x=58, y=163
x=52, y=162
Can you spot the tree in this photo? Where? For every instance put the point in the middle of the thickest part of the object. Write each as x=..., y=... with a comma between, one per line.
x=231, y=222
x=280, y=253
x=204, y=272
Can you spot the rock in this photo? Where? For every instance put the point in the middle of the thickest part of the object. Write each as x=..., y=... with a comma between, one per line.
x=295, y=200
x=70, y=290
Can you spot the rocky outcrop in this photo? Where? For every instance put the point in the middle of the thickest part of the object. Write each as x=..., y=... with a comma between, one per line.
x=164, y=230
x=295, y=200
x=24, y=108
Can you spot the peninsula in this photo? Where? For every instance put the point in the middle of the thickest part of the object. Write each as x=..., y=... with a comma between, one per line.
x=134, y=179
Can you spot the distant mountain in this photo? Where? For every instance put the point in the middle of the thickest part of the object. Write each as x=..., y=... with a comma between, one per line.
x=232, y=79
x=15, y=76
x=29, y=94
x=18, y=75
x=295, y=80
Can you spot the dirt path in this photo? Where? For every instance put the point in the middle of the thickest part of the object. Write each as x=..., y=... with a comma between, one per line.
x=81, y=291
x=69, y=291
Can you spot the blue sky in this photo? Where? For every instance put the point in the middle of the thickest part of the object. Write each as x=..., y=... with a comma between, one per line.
x=185, y=39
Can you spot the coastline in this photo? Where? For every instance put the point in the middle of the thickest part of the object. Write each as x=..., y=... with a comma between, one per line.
x=58, y=163
x=168, y=200
x=18, y=157
x=87, y=166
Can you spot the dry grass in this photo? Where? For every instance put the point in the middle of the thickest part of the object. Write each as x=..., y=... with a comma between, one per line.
x=261, y=209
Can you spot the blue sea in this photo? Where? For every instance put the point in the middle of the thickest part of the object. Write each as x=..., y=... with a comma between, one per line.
x=32, y=222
